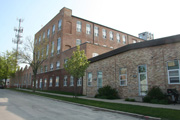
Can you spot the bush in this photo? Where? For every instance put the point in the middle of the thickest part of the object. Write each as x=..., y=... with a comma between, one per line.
x=131, y=100
x=155, y=95
x=107, y=92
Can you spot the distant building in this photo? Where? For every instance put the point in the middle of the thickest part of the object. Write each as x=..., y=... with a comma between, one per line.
x=146, y=36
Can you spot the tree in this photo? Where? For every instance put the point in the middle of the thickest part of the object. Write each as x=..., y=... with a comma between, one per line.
x=76, y=66
x=8, y=65
x=33, y=54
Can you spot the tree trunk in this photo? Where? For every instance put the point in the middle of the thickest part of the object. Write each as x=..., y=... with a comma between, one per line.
x=34, y=79
x=75, y=88
x=5, y=83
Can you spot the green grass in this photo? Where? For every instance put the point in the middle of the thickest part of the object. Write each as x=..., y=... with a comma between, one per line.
x=165, y=114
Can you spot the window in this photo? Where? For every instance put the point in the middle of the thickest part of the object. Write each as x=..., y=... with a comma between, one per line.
x=89, y=79
x=51, y=66
x=99, y=79
x=173, y=72
x=48, y=33
x=118, y=37
x=57, y=81
x=41, y=69
x=42, y=52
x=52, y=48
x=143, y=87
x=58, y=45
x=53, y=29
x=59, y=24
x=78, y=42
x=111, y=35
x=79, y=82
x=39, y=39
x=57, y=64
x=78, y=26
x=50, y=82
x=44, y=35
x=71, y=81
x=104, y=33
x=65, y=81
x=36, y=41
x=45, y=82
x=96, y=31
x=95, y=54
x=45, y=67
x=134, y=41
x=123, y=76
x=36, y=83
x=124, y=39
x=88, y=29
x=47, y=50
x=65, y=61
x=40, y=83
x=38, y=54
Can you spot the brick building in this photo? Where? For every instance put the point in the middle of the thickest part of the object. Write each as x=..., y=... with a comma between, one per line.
x=134, y=69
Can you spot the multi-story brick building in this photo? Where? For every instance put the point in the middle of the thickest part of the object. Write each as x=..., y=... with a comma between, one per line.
x=64, y=32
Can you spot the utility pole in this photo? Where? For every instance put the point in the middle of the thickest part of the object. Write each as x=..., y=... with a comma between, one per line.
x=18, y=41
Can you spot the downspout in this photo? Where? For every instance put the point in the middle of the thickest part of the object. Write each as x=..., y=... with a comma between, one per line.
x=93, y=33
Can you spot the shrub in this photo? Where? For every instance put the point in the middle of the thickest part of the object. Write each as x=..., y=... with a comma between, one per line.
x=107, y=92
x=128, y=99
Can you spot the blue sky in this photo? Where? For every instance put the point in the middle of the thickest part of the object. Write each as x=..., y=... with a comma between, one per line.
x=160, y=17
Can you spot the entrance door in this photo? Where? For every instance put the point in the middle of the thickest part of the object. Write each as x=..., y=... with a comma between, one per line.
x=143, y=87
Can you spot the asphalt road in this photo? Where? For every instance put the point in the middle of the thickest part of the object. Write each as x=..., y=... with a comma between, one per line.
x=21, y=106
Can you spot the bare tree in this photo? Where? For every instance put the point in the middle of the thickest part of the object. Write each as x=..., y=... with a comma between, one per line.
x=34, y=54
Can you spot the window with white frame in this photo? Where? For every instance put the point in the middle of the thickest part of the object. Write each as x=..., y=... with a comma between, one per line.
x=173, y=72
x=50, y=82
x=47, y=50
x=40, y=83
x=99, y=79
x=52, y=48
x=95, y=54
x=124, y=39
x=71, y=81
x=65, y=61
x=53, y=29
x=123, y=76
x=89, y=79
x=39, y=39
x=78, y=42
x=46, y=68
x=79, y=82
x=104, y=33
x=65, y=81
x=58, y=45
x=57, y=81
x=48, y=33
x=44, y=34
x=57, y=64
x=88, y=29
x=45, y=82
x=78, y=26
x=41, y=69
x=111, y=35
x=96, y=31
x=118, y=37
x=59, y=24
x=51, y=66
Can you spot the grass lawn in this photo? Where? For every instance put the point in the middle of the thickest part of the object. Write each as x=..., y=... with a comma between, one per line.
x=165, y=114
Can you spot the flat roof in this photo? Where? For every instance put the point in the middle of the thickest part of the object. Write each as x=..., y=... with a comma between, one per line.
x=144, y=44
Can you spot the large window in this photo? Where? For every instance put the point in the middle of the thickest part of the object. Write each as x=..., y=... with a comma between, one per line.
x=45, y=68
x=65, y=81
x=48, y=33
x=57, y=64
x=36, y=83
x=104, y=33
x=50, y=82
x=57, y=81
x=79, y=82
x=173, y=72
x=118, y=37
x=123, y=76
x=45, y=82
x=58, y=45
x=53, y=29
x=40, y=83
x=44, y=35
x=99, y=79
x=47, y=50
x=96, y=31
x=78, y=42
x=88, y=29
x=41, y=69
x=124, y=39
x=59, y=24
x=51, y=66
x=71, y=81
x=143, y=87
x=52, y=48
x=90, y=79
x=111, y=35
x=39, y=39
x=78, y=26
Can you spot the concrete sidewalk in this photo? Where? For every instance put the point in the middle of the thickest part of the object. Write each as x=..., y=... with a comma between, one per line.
x=171, y=106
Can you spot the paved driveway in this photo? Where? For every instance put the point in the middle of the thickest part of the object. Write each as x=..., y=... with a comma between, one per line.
x=21, y=106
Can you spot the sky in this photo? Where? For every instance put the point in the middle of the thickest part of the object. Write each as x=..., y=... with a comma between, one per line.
x=160, y=17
